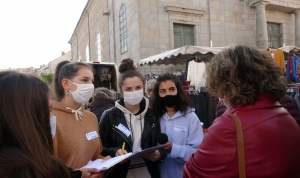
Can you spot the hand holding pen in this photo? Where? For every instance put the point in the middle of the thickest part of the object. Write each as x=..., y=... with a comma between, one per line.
x=121, y=152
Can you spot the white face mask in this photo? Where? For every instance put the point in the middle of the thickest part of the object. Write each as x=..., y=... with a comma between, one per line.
x=133, y=98
x=83, y=92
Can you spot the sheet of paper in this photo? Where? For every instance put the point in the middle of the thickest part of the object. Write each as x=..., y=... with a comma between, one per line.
x=106, y=164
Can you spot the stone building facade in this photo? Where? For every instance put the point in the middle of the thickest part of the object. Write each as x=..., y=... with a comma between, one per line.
x=141, y=28
x=90, y=39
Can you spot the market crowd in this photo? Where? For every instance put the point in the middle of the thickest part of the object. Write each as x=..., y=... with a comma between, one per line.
x=48, y=132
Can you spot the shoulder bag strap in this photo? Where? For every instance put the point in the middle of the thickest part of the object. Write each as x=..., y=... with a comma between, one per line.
x=240, y=142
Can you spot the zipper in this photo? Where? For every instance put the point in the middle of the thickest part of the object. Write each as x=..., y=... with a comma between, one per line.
x=151, y=133
x=123, y=137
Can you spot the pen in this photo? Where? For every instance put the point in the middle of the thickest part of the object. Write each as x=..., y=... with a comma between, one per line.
x=123, y=148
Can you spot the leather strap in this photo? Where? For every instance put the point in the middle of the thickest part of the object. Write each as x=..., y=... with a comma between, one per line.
x=240, y=142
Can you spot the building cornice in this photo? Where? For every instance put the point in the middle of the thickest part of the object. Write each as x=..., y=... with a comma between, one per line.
x=88, y=4
x=185, y=11
x=276, y=5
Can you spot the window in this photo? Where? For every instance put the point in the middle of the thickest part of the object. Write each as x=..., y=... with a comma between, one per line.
x=123, y=29
x=99, y=47
x=183, y=35
x=87, y=53
x=274, y=35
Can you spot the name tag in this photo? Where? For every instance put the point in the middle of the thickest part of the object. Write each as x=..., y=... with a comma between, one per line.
x=91, y=135
x=179, y=128
x=123, y=129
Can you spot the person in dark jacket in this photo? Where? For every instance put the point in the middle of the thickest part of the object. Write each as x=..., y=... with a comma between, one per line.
x=102, y=100
x=133, y=123
x=285, y=101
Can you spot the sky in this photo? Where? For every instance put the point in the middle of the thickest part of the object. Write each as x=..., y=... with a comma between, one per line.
x=35, y=32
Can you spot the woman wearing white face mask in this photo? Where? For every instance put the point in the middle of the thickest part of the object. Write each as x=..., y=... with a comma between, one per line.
x=131, y=121
x=76, y=140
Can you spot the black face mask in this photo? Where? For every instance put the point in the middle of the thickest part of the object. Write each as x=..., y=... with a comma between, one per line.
x=169, y=100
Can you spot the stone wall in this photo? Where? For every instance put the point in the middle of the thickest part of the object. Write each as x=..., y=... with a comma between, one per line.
x=132, y=30
x=150, y=25
x=91, y=23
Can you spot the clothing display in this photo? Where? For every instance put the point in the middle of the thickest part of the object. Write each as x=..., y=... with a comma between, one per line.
x=196, y=74
x=205, y=107
x=278, y=57
x=73, y=129
x=271, y=144
x=185, y=132
x=291, y=70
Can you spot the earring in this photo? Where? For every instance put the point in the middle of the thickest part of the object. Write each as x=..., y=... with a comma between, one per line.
x=67, y=92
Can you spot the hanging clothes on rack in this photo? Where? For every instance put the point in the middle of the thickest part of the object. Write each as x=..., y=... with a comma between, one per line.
x=196, y=74
x=291, y=68
x=278, y=56
x=205, y=106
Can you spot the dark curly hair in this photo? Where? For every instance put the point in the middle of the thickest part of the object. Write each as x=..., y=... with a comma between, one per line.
x=128, y=70
x=183, y=101
x=242, y=73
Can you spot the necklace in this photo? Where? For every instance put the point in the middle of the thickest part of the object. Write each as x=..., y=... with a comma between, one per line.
x=132, y=137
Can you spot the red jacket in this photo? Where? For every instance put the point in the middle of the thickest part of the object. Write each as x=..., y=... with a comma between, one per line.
x=285, y=101
x=271, y=138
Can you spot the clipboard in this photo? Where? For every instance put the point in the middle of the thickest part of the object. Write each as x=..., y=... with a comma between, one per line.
x=147, y=150
x=103, y=166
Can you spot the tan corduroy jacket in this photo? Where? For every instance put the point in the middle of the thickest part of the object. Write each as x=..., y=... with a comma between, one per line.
x=76, y=142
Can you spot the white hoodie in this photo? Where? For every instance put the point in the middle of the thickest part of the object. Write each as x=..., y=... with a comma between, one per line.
x=136, y=122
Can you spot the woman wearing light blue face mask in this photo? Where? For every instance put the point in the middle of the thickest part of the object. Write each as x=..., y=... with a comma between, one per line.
x=76, y=140
x=132, y=123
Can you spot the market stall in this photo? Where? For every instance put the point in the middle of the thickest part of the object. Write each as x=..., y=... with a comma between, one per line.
x=192, y=78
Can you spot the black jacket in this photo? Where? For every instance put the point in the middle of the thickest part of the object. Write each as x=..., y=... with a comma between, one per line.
x=112, y=139
x=99, y=106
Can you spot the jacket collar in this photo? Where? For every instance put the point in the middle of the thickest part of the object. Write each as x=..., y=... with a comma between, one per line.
x=143, y=107
x=178, y=114
x=262, y=102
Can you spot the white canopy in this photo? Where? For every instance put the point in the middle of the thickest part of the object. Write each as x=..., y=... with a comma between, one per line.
x=179, y=55
x=289, y=48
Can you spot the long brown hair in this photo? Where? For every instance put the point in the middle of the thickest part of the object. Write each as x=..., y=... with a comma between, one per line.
x=25, y=135
x=128, y=70
x=181, y=105
x=65, y=70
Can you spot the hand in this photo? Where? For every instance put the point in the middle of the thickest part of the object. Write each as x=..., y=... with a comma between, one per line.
x=119, y=153
x=168, y=148
x=106, y=158
x=153, y=156
x=91, y=173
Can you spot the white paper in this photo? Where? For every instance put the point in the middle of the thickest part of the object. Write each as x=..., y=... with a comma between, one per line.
x=102, y=166
x=91, y=135
x=179, y=128
x=123, y=129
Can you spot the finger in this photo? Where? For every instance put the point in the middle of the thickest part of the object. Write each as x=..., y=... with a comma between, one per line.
x=95, y=170
x=106, y=158
x=98, y=175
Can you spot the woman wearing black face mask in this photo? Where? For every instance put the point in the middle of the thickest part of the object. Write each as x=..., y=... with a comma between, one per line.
x=179, y=121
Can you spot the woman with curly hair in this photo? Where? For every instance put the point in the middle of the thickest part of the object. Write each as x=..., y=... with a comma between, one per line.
x=250, y=85
x=178, y=121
